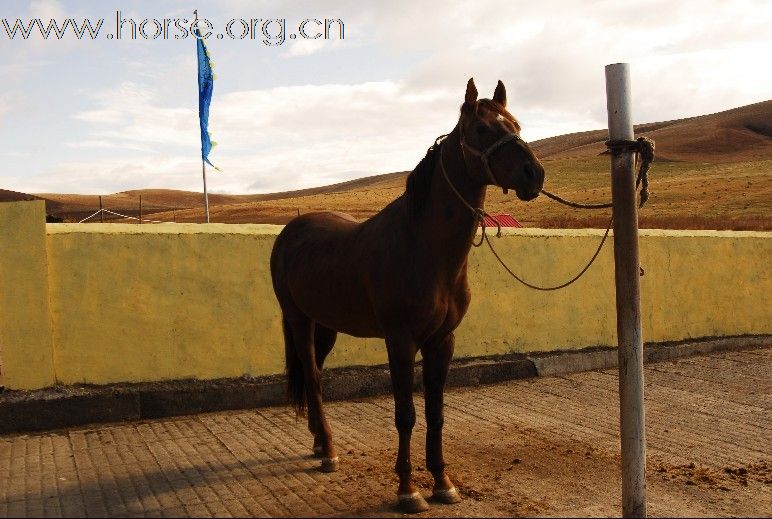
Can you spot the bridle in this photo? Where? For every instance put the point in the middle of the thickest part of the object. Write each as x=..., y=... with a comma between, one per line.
x=478, y=213
x=485, y=154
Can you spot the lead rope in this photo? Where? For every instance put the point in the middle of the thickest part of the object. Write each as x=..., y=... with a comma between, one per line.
x=643, y=147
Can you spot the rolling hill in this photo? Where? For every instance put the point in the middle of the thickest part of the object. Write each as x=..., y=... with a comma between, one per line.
x=738, y=135
x=712, y=171
x=52, y=207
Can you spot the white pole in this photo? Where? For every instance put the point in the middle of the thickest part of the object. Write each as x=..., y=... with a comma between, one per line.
x=626, y=265
x=206, y=196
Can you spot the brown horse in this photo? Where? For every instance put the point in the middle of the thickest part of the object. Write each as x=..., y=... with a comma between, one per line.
x=402, y=276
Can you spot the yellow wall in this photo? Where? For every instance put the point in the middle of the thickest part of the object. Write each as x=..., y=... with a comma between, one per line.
x=152, y=302
x=696, y=284
x=161, y=302
x=25, y=328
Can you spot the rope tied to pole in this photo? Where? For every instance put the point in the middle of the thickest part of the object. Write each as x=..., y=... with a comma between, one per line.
x=643, y=147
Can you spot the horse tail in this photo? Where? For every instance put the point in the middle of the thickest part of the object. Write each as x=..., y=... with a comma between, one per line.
x=296, y=386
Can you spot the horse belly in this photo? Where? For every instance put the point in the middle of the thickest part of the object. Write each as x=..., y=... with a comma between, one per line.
x=338, y=304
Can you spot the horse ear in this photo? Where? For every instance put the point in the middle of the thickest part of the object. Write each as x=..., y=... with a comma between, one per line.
x=471, y=93
x=500, y=95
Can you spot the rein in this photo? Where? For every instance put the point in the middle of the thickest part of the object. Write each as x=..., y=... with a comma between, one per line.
x=643, y=146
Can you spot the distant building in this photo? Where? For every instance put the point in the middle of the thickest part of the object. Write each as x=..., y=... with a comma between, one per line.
x=505, y=220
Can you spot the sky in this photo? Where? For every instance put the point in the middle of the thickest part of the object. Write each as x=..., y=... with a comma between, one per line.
x=98, y=116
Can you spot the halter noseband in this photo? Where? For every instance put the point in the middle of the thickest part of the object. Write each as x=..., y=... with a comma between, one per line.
x=485, y=154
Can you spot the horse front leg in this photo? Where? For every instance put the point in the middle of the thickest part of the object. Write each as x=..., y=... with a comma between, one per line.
x=402, y=367
x=436, y=363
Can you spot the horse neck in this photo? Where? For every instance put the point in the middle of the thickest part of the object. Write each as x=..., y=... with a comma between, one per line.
x=450, y=225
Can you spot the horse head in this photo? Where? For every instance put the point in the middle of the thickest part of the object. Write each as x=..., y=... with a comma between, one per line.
x=493, y=150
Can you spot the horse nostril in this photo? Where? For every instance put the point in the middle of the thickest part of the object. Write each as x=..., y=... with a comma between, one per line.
x=530, y=171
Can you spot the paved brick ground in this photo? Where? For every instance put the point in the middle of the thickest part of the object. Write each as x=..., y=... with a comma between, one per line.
x=532, y=447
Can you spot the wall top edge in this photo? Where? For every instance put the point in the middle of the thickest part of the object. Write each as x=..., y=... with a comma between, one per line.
x=163, y=228
x=272, y=230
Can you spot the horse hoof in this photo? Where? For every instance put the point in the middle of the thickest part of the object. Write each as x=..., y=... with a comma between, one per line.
x=318, y=451
x=329, y=464
x=412, y=503
x=447, y=496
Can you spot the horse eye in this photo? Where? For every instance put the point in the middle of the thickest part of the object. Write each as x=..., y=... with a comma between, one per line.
x=481, y=128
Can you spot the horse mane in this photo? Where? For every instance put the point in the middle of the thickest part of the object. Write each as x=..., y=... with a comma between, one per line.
x=419, y=181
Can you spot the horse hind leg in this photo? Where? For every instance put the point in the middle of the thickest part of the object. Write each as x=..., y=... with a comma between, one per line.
x=303, y=335
x=324, y=340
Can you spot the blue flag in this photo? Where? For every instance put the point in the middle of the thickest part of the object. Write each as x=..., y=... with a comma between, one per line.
x=205, y=88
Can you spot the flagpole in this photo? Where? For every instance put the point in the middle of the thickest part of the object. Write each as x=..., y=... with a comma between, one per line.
x=203, y=162
x=206, y=196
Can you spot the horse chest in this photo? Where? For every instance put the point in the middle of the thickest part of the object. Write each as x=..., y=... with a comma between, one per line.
x=443, y=306
x=458, y=303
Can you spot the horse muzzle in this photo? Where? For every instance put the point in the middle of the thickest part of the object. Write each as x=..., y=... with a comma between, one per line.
x=534, y=176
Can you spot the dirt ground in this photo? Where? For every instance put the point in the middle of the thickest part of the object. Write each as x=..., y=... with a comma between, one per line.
x=537, y=447
x=709, y=433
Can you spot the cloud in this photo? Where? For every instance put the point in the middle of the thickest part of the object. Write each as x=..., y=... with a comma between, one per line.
x=551, y=54
x=25, y=60
x=306, y=47
x=109, y=175
x=132, y=114
x=309, y=135
x=687, y=58
x=46, y=9
x=102, y=144
x=271, y=139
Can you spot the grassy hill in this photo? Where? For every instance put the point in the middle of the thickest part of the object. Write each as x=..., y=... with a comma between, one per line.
x=712, y=171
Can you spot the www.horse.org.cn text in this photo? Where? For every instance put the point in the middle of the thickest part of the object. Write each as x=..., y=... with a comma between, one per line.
x=269, y=31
